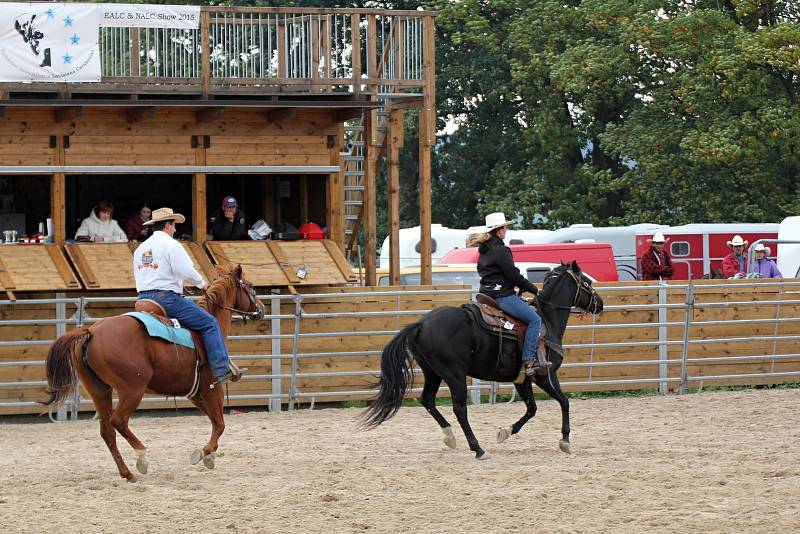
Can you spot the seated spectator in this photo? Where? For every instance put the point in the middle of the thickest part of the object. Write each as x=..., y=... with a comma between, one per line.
x=762, y=265
x=100, y=227
x=656, y=263
x=735, y=262
x=227, y=224
x=135, y=228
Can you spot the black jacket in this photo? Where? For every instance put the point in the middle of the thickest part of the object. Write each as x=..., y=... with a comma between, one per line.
x=499, y=275
x=224, y=230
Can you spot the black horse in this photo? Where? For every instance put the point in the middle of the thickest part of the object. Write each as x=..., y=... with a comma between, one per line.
x=449, y=344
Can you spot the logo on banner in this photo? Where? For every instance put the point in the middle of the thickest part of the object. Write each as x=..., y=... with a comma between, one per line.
x=58, y=43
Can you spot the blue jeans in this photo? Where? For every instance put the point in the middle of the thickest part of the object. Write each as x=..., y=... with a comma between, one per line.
x=196, y=318
x=516, y=306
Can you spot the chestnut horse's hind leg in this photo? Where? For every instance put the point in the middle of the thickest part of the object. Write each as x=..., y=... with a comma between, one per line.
x=209, y=401
x=101, y=396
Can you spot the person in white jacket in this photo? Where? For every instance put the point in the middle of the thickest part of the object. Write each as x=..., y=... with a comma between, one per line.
x=100, y=227
x=160, y=267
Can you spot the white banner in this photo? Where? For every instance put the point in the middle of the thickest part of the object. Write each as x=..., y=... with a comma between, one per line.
x=43, y=42
x=150, y=16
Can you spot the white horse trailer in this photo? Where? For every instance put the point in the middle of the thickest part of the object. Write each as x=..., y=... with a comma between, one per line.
x=443, y=240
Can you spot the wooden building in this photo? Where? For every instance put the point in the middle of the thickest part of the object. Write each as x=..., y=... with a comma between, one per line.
x=288, y=110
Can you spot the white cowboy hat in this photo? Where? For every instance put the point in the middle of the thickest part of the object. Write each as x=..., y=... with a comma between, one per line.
x=496, y=220
x=165, y=214
x=737, y=241
x=761, y=248
x=657, y=238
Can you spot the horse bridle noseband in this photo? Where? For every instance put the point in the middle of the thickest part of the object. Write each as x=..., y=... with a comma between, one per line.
x=581, y=285
x=251, y=296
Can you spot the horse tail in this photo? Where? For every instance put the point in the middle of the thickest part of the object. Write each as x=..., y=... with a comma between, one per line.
x=61, y=374
x=397, y=377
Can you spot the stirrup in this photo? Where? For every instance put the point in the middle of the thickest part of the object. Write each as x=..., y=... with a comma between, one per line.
x=534, y=366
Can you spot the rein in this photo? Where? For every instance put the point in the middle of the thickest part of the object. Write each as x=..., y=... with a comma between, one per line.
x=579, y=286
x=251, y=296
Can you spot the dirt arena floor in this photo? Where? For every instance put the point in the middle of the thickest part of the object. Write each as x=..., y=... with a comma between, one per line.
x=710, y=462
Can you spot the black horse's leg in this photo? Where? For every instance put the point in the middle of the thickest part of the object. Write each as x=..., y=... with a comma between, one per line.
x=428, y=400
x=550, y=385
x=458, y=392
x=525, y=390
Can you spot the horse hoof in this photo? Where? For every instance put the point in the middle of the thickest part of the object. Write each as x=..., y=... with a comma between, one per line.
x=208, y=460
x=503, y=434
x=196, y=456
x=564, y=446
x=141, y=462
x=484, y=456
x=449, y=438
x=131, y=478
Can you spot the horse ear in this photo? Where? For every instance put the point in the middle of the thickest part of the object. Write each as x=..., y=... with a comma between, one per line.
x=238, y=271
x=575, y=267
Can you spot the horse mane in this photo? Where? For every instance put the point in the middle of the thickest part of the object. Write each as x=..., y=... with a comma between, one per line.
x=217, y=289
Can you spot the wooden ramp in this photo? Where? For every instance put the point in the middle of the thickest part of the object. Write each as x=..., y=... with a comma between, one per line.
x=35, y=268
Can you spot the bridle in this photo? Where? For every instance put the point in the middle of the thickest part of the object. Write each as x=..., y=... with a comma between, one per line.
x=251, y=296
x=581, y=286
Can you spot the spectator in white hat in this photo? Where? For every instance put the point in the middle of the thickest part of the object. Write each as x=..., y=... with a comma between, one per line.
x=656, y=263
x=735, y=262
x=762, y=265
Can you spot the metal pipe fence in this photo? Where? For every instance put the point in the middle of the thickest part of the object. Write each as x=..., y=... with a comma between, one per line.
x=667, y=360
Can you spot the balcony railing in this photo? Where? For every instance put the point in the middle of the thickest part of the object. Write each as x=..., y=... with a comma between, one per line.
x=316, y=50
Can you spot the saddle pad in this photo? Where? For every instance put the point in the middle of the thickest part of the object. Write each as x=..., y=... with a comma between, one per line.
x=156, y=328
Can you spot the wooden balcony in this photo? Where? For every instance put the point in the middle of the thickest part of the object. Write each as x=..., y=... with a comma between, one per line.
x=256, y=51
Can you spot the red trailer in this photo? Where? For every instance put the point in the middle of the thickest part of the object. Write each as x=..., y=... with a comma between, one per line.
x=696, y=249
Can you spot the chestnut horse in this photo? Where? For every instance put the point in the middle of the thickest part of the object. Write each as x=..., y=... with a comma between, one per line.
x=118, y=354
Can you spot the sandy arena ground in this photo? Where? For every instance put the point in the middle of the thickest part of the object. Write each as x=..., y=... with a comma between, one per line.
x=711, y=462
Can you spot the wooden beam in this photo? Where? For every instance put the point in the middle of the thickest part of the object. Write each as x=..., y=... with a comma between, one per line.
x=135, y=115
x=355, y=27
x=346, y=114
x=303, y=199
x=427, y=138
x=396, y=123
x=67, y=114
x=335, y=193
x=210, y=114
x=278, y=115
x=58, y=195
x=199, y=230
x=205, y=54
x=370, y=172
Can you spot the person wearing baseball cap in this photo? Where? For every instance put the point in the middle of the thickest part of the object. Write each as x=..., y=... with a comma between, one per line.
x=227, y=224
x=656, y=262
x=161, y=266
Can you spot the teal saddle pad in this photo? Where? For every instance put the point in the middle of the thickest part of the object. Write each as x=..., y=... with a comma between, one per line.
x=156, y=328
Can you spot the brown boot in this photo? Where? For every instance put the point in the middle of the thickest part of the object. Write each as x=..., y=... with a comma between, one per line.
x=534, y=366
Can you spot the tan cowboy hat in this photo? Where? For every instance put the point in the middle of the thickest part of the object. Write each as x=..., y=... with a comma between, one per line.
x=496, y=220
x=737, y=241
x=165, y=214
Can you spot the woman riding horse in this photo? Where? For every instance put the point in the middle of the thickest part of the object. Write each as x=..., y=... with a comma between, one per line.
x=448, y=344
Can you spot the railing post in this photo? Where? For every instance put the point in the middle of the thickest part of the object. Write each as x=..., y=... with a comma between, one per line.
x=275, y=309
x=61, y=329
x=205, y=53
x=298, y=310
x=687, y=323
x=663, y=337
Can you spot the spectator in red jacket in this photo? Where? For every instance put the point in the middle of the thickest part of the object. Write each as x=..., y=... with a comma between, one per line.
x=656, y=263
x=735, y=262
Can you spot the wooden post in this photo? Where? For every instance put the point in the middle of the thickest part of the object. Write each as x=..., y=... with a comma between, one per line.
x=396, y=123
x=427, y=137
x=368, y=207
x=135, y=59
x=326, y=50
x=205, y=53
x=372, y=72
x=199, y=230
x=335, y=193
x=355, y=30
x=303, y=198
x=314, y=44
x=282, y=51
x=58, y=195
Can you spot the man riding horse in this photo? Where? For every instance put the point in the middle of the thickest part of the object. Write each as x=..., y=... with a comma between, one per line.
x=160, y=266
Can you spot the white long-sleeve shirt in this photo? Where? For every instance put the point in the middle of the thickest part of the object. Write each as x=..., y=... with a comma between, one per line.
x=161, y=263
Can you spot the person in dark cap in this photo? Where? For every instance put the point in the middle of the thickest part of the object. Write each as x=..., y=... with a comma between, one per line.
x=227, y=224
